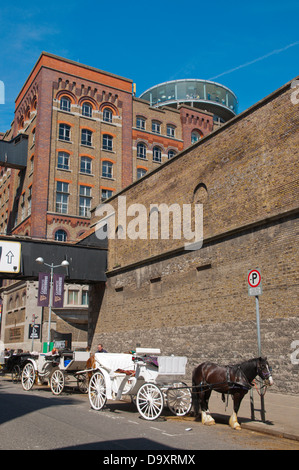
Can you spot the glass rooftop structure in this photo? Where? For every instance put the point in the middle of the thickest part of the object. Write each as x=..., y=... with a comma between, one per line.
x=202, y=94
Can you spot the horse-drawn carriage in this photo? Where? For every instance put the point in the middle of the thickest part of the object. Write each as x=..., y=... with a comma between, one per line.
x=57, y=369
x=38, y=368
x=68, y=372
x=152, y=381
x=14, y=364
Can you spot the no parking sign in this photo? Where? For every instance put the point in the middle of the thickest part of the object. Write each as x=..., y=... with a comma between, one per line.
x=254, y=279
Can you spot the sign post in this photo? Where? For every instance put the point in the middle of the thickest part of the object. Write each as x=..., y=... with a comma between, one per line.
x=254, y=279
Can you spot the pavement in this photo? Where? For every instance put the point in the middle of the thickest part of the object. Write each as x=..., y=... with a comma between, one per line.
x=281, y=413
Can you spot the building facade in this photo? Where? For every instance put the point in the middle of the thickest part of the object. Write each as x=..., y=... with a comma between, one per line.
x=88, y=136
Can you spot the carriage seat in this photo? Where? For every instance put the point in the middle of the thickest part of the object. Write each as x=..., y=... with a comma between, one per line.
x=113, y=362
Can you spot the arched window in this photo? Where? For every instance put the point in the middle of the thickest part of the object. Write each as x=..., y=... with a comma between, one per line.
x=86, y=137
x=17, y=301
x=86, y=109
x=107, y=169
x=63, y=162
x=141, y=172
x=157, y=155
x=85, y=165
x=60, y=236
x=195, y=136
x=141, y=150
x=171, y=153
x=107, y=115
x=65, y=103
x=107, y=142
x=64, y=132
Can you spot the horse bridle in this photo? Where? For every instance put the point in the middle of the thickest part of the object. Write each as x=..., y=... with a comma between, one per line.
x=264, y=375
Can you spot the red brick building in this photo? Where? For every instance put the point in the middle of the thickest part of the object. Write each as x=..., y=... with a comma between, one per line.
x=84, y=137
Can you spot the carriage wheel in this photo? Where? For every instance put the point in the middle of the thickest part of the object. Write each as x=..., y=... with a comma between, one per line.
x=97, y=391
x=28, y=376
x=179, y=399
x=57, y=382
x=82, y=381
x=16, y=374
x=149, y=401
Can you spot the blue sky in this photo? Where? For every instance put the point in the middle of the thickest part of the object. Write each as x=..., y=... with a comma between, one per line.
x=253, y=48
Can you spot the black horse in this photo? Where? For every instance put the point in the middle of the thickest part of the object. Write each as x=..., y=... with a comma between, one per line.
x=235, y=380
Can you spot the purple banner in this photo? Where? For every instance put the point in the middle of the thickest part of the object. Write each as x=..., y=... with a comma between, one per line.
x=43, y=290
x=58, y=290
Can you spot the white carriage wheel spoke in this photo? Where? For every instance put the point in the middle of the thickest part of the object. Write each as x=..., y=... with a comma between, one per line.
x=57, y=382
x=28, y=376
x=97, y=391
x=150, y=401
x=179, y=399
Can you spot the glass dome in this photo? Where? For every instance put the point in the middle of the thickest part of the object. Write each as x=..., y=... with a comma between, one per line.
x=202, y=94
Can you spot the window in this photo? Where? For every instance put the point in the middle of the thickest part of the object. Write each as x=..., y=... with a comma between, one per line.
x=72, y=297
x=85, y=297
x=60, y=236
x=63, y=161
x=107, y=169
x=106, y=193
x=62, y=197
x=29, y=200
x=85, y=165
x=157, y=154
x=141, y=150
x=86, y=136
x=140, y=122
x=171, y=153
x=85, y=201
x=156, y=127
x=86, y=109
x=107, y=115
x=64, y=132
x=65, y=104
x=170, y=130
x=195, y=136
x=107, y=142
x=141, y=172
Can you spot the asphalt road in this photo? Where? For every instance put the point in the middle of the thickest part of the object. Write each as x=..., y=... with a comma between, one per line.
x=37, y=420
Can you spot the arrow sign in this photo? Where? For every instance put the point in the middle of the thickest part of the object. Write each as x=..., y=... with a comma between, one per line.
x=10, y=257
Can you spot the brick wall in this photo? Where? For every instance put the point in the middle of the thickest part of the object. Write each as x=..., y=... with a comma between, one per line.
x=196, y=303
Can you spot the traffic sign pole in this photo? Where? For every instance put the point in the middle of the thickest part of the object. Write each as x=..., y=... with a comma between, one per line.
x=254, y=279
x=257, y=307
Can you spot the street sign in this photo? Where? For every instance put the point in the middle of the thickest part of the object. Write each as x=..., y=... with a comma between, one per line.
x=254, y=279
x=10, y=257
x=34, y=331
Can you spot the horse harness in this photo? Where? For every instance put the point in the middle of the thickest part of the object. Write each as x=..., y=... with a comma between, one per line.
x=241, y=383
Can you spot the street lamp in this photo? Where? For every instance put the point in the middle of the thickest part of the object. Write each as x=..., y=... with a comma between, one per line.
x=64, y=264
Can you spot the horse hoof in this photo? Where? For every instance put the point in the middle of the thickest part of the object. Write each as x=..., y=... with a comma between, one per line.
x=207, y=419
x=234, y=423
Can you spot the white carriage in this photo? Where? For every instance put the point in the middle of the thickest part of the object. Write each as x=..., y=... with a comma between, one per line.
x=68, y=372
x=38, y=368
x=57, y=370
x=151, y=380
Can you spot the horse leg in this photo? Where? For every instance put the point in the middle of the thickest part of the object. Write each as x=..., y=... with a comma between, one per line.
x=206, y=418
x=233, y=420
x=195, y=399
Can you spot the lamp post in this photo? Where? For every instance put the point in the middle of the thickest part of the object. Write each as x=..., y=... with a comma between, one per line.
x=65, y=264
